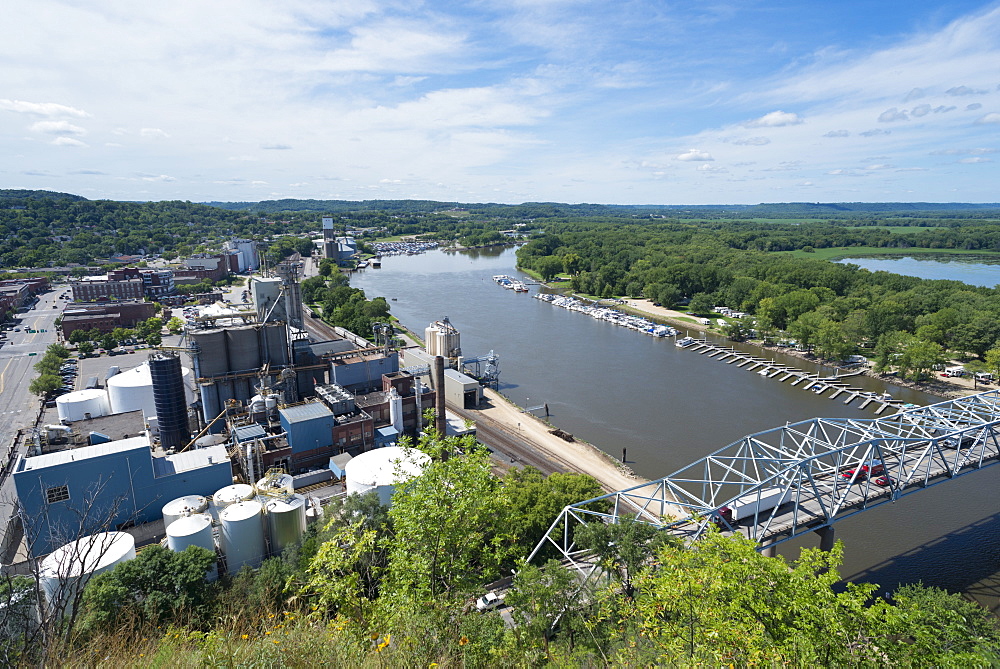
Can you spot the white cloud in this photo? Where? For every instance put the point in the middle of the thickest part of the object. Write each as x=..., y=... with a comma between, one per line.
x=156, y=177
x=276, y=147
x=879, y=166
x=68, y=141
x=775, y=119
x=964, y=152
x=153, y=132
x=992, y=117
x=893, y=114
x=751, y=141
x=57, y=128
x=838, y=133
x=974, y=106
x=875, y=132
x=914, y=94
x=977, y=159
x=705, y=167
x=42, y=108
x=963, y=90
x=694, y=155
x=920, y=111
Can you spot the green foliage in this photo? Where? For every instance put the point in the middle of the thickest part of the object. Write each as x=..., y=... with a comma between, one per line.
x=536, y=500
x=450, y=527
x=155, y=588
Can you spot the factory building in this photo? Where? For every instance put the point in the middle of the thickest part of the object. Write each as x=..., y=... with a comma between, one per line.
x=246, y=250
x=120, y=481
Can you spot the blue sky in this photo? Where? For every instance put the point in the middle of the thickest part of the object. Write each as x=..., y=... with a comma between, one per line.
x=631, y=102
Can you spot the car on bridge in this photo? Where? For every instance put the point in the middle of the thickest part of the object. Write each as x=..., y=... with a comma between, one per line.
x=877, y=469
x=884, y=481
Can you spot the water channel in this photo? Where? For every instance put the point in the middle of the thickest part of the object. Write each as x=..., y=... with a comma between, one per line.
x=954, y=268
x=618, y=388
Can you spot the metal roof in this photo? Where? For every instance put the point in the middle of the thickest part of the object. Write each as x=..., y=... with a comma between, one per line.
x=305, y=412
x=249, y=432
x=85, y=453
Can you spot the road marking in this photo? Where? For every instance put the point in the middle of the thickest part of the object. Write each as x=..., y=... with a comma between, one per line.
x=3, y=374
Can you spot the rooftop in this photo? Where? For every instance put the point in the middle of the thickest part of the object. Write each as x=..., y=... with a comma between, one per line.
x=84, y=453
x=188, y=460
x=305, y=412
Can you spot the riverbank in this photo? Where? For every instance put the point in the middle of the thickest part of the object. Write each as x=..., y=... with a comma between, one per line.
x=612, y=474
x=950, y=388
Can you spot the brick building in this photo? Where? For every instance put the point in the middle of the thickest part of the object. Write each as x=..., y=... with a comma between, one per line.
x=105, y=317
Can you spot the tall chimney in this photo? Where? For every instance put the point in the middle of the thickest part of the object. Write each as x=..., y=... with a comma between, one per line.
x=439, y=418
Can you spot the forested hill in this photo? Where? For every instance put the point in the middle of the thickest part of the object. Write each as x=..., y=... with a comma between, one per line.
x=16, y=194
x=557, y=209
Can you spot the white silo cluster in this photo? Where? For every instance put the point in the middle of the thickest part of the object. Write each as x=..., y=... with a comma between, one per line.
x=133, y=390
x=247, y=523
x=382, y=469
x=82, y=404
x=66, y=570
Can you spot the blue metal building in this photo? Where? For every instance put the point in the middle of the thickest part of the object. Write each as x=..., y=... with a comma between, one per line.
x=67, y=494
x=308, y=426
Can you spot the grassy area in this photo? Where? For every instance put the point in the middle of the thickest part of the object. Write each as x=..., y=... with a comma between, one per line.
x=837, y=253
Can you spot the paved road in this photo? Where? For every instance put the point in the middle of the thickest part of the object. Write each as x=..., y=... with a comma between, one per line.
x=19, y=408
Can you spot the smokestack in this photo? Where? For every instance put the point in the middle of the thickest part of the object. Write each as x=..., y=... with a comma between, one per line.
x=439, y=417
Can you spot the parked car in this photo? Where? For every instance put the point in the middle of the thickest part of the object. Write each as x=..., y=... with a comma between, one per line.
x=488, y=602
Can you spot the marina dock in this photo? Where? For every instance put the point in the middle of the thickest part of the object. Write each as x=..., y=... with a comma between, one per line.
x=770, y=369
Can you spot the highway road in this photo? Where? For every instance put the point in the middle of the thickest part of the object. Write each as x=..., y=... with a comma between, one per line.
x=18, y=407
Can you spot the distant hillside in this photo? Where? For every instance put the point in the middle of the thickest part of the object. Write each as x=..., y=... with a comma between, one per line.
x=554, y=209
x=12, y=194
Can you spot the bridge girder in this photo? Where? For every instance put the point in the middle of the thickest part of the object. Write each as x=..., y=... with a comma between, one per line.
x=806, y=464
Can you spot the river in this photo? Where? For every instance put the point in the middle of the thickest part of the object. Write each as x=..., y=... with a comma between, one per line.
x=617, y=388
x=954, y=268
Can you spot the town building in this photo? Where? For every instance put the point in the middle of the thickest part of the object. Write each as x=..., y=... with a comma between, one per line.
x=105, y=316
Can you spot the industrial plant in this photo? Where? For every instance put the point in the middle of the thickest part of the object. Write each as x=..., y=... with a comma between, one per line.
x=233, y=438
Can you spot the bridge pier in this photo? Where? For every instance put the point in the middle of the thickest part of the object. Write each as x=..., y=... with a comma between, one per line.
x=827, y=537
x=770, y=550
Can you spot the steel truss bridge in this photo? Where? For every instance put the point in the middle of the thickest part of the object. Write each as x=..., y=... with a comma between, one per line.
x=816, y=466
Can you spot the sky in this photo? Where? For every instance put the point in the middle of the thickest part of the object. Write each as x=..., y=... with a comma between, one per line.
x=622, y=102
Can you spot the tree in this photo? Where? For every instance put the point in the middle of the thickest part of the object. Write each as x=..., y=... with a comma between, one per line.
x=831, y=343
x=535, y=499
x=175, y=325
x=701, y=303
x=992, y=358
x=44, y=384
x=77, y=336
x=624, y=547
x=450, y=525
x=85, y=347
x=572, y=263
x=805, y=327
x=152, y=589
x=920, y=357
x=548, y=267
x=540, y=597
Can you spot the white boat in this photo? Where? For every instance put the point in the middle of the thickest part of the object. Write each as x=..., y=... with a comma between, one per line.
x=685, y=342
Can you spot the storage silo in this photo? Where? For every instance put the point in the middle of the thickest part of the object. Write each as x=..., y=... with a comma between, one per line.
x=383, y=468
x=242, y=535
x=232, y=494
x=244, y=349
x=286, y=521
x=212, y=357
x=169, y=398
x=66, y=570
x=276, y=484
x=82, y=404
x=132, y=390
x=195, y=530
x=183, y=506
x=314, y=511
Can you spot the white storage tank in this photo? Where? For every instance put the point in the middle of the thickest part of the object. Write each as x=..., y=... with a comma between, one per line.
x=82, y=404
x=314, y=511
x=231, y=494
x=242, y=535
x=194, y=530
x=209, y=440
x=382, y=468
x=133, y=390
x=283, y=484
x=286, y=521
x=183, y=506
x=66, y=570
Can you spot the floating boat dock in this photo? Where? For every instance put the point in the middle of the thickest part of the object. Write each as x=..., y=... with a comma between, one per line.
x=812, y=382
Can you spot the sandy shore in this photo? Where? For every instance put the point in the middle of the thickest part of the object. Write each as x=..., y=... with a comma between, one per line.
x=608, y=471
